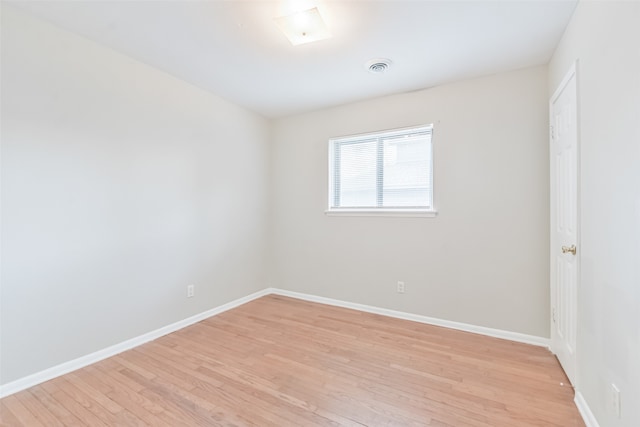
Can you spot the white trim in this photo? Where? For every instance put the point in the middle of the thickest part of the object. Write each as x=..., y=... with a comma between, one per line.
x=570, y=73
x=585, y=411
x=496, y=333
x=81, y=362
x=384, y=133
x=412, y=213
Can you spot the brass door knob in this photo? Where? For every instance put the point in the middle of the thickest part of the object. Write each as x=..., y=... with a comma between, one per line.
x=569, y=249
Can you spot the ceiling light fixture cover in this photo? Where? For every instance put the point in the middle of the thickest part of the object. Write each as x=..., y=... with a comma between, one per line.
x=377, y=65
x=304, y=27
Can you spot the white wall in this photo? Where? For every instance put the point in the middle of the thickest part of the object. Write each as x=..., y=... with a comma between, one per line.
x=605, y=38
x=121, y=185
x=483, y=260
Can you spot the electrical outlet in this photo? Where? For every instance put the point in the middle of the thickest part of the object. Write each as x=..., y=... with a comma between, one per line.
x=615, y=400
x=400, y=288
x=191, y=291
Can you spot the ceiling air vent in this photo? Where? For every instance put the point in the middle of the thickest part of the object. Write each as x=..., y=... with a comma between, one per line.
x=378, y=65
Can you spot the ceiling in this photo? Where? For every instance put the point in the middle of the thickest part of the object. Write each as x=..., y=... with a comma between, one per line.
x=234, y=48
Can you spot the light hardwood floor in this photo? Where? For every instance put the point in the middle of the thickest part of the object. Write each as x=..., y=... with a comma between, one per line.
x=278, y=361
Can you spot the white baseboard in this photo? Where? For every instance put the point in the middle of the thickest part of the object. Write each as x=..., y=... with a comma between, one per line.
x=585, y=411
x=81, y=362
x=496, y=333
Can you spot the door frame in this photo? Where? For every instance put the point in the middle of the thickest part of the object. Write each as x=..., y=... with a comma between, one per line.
x=553, y=246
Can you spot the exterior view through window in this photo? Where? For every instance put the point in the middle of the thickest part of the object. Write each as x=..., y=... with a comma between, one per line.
x=382, y=171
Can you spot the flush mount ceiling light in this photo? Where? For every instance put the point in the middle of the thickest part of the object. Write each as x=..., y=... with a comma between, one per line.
x=304, y=27
x=377, y=65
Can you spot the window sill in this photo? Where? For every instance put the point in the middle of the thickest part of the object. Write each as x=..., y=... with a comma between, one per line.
x=412, y=213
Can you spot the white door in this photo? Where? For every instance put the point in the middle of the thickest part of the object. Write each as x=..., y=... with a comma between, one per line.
x=564, y=223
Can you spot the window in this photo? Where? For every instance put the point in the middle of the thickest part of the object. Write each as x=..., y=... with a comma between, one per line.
x=382, y=173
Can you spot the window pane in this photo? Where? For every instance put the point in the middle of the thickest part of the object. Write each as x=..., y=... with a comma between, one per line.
x=406, y=176
x=389, y=169
x=357, y=176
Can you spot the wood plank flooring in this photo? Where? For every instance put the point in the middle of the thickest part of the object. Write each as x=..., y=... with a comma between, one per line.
x=279, y=361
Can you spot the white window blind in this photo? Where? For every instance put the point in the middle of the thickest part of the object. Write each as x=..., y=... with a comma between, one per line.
x=389, y=170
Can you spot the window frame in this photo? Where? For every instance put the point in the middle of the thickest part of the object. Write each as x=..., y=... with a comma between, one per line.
x=377, y=211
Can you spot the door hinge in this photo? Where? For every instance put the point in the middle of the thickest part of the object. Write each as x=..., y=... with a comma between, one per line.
x=553, y=315
x=552, y=135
